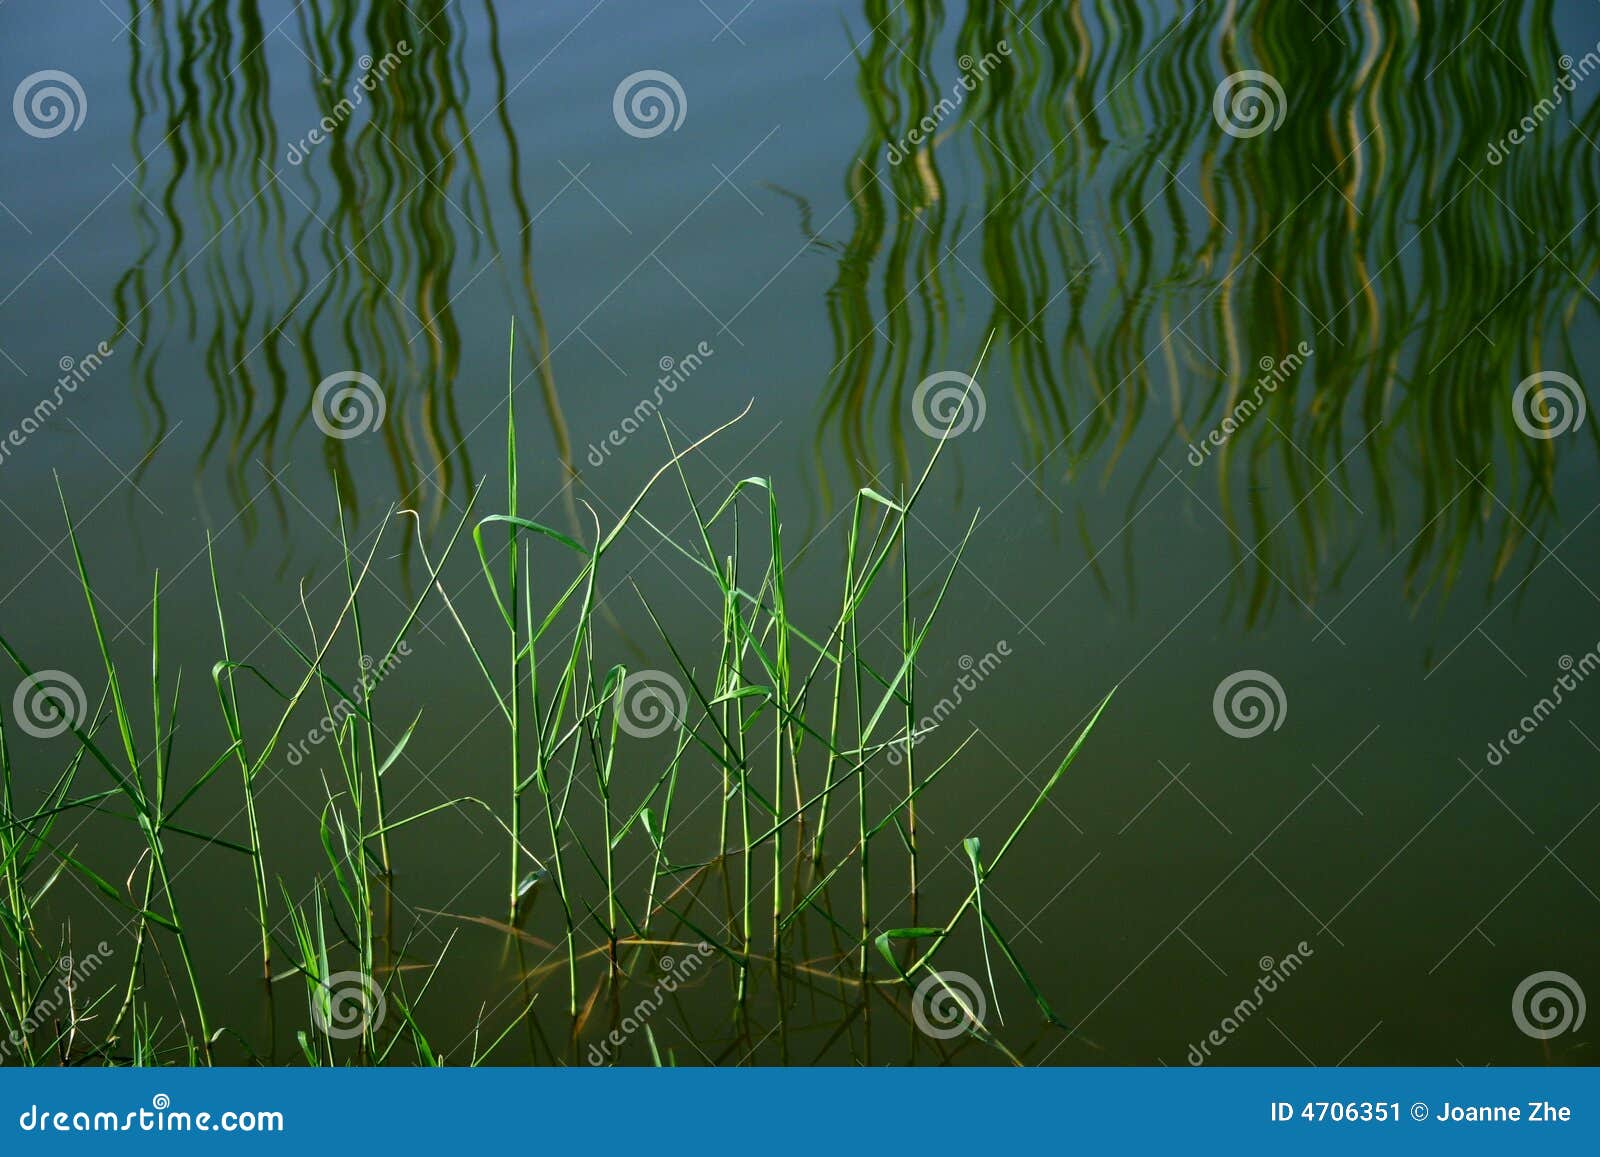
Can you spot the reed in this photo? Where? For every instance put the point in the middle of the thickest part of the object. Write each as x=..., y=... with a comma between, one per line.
x=788, y=719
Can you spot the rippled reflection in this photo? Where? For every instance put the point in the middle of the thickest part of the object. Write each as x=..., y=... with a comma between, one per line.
x=1054, y=171
x=287, y=260
x=1144, y=269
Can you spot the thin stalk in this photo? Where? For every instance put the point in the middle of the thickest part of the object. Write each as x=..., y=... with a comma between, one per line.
x=230, y=715
x=863, y=836
x=367, y=691
x=516, y=681
x=603, y=768
x=907, y=652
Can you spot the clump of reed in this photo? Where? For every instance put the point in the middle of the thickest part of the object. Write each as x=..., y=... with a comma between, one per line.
x=791, y=728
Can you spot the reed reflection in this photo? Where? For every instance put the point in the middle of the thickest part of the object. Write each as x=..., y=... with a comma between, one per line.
x=1143, y=268
x=286, y=260
x=1055, y=172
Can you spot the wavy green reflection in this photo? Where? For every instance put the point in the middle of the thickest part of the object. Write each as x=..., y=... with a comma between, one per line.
x=1140, y=265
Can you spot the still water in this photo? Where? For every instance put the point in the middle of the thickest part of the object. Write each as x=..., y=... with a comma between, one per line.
x=1262, y=281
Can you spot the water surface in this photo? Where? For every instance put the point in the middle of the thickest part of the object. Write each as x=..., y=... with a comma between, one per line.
x=1251, y=405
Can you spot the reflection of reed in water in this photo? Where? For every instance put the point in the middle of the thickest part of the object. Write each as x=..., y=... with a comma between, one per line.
x=286, y=261
x=1136, y=257
x=901, y=211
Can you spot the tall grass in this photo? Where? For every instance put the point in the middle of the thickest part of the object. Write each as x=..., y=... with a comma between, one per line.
x=789, y=719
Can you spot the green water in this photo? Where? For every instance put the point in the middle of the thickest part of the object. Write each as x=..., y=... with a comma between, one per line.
x=855, y=198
